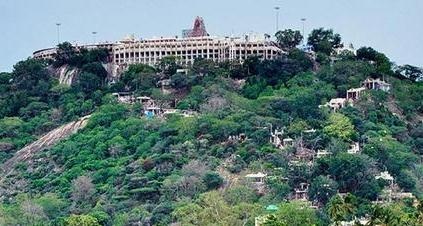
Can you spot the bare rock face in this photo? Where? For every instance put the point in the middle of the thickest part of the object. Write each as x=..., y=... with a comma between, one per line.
x=67, y=75
x=46, y=141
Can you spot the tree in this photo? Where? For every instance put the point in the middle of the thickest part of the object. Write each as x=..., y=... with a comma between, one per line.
x=212, y=180
x=32, y=212
x=383, y=65
x=296, y=214
x=339, y=126
x=211, y=209
x=288, y=39
x=82, y=191
x=239, y=194
x=81, y=220
x=168, y=65
x=88, y=82
x=354, y=173
x=410, y=72
x=95, y=68
x=52, y=205
x=324, y=41
x=31, y=76
x=340, y=209
x=179, y=81
x=64, y=54
x=271, y=220
x=322, y=189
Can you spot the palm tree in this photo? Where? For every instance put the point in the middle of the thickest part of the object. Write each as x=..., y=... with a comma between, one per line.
x=383, y=217
x=339, y=209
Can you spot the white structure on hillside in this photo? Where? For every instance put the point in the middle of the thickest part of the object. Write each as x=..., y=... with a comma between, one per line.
x=377, y=84
x=335, y=104
x=354, y=148
x=197, y=44
x=355, y=93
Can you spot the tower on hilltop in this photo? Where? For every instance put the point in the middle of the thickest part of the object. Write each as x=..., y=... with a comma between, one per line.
x=198, y=30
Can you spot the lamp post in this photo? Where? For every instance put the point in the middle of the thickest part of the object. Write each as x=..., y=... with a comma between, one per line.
x=303, y=22
x=94, y=38
x=277, y=8
x=58, y=32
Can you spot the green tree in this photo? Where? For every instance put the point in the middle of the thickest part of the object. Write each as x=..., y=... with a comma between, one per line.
x=65, y=53
x=288, y=39
x=212, y=180
x=410, y=72
x=322, y=189
x=340, y=209
x=339, y=126
x=324, y=41
x=168, y=65
x=382, y=62
x=354, y=173
x=81, y=220
x=296, y=214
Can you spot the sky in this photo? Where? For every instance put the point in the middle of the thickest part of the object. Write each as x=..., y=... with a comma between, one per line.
x=394, y=27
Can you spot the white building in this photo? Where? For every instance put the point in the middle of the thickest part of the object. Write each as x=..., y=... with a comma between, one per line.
x=186, y=49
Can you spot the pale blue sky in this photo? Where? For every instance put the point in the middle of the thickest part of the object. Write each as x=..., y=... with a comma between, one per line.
x=394, y=27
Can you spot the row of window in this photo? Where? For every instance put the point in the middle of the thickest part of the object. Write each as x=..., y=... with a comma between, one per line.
x=189, y=52
x=183, y=59
x=184, y=45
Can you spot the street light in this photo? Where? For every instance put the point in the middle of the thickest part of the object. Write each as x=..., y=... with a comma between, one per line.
x=94, y=39
x=277, y=8
x=303, y=22
x=58, y=32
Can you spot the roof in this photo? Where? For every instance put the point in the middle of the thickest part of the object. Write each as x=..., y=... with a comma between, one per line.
x=256, y=175
x=385, y=175
x=356, y=89
x=272, y=208
x=377, y=80
x=144, y=98
x=337, y=100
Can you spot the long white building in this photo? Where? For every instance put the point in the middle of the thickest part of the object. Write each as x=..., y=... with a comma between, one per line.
x=186, y=49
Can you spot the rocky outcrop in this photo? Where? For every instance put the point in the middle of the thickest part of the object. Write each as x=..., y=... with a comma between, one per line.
x=67, y=74
x=46, y=141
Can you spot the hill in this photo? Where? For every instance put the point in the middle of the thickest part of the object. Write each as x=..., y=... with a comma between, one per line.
x=310, y=138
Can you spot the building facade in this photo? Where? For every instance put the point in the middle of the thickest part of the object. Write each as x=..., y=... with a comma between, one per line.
x=197, y=44
x=186, y=50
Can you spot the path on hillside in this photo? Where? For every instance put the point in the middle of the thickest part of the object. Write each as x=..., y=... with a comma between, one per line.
x=49, y=139
x=230, y=179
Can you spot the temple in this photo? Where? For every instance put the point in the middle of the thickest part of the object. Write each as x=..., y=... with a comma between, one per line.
x=195, y=44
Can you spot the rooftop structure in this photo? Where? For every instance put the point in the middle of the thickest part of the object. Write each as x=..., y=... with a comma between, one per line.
x=322, y=153
x=354, y=148
x=197, y=44
x=257, y=181
x=198, y=30
x=336, y=103
x=300, y=192
x=377, y=84
x=354, y=94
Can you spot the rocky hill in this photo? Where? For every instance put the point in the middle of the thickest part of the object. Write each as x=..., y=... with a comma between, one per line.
x=312, y=138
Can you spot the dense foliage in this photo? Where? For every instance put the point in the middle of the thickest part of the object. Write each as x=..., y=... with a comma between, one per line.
x=126, y=169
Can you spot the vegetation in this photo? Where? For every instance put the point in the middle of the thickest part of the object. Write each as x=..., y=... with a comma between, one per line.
x=127, y=169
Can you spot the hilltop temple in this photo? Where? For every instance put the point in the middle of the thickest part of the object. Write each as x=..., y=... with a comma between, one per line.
x=195, y=43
